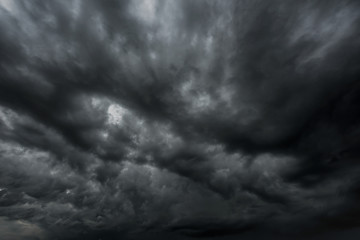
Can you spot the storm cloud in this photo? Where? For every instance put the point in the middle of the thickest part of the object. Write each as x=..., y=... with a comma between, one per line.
x=159, y=119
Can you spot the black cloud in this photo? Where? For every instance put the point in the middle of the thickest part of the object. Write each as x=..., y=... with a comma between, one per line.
x=184, y=119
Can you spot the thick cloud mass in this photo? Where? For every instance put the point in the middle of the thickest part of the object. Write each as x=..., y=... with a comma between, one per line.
x=167, y=119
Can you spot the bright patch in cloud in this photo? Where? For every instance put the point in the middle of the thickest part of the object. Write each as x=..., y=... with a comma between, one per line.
x=115, y=114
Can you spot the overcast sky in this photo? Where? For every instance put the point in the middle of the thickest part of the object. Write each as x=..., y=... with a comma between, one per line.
x=179, y=119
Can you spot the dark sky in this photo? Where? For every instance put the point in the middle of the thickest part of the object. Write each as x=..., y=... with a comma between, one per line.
x=179, y=119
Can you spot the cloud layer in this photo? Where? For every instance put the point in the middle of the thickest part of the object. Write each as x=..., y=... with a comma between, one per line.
x=182, y=119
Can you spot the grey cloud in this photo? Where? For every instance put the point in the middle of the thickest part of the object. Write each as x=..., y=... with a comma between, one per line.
x=181, y=119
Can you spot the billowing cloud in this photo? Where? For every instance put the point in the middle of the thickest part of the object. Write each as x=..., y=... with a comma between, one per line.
x=159, y=119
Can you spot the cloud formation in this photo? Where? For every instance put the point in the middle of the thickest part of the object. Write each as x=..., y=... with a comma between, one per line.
x=179, y=119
